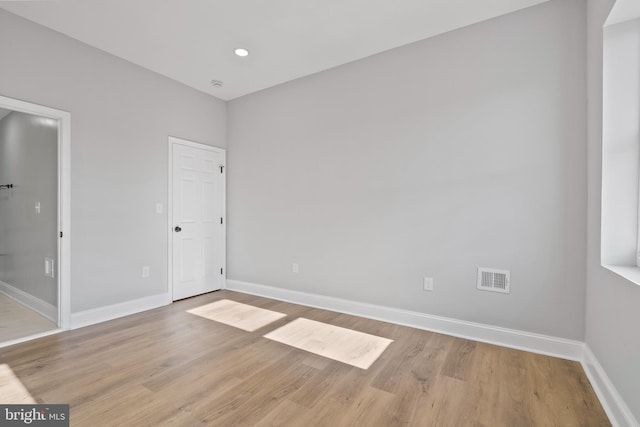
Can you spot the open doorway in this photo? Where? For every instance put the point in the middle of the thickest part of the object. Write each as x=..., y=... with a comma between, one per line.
x=34, y=221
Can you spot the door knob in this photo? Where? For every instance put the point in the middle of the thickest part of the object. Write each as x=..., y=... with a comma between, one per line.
x=178, y=229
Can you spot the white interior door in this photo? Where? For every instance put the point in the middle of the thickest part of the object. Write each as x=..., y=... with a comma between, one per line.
x=197, y=214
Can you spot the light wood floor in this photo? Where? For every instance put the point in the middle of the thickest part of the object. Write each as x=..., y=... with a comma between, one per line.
x=17, y=321
x=344, y=345
x=169, y=367
x=232, y=313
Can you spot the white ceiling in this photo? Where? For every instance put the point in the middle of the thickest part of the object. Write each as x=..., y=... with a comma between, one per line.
x=192, y=41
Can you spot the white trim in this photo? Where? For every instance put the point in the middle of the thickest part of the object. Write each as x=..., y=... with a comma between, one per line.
x=64, y=221
x=174, y=140
x=630, y=273
x=30, y=337
x=115, y=311
x=617, y=410
x=64, y=197
x=536, y=343
x=194, y=144
x=41, y=307
x=613, y=404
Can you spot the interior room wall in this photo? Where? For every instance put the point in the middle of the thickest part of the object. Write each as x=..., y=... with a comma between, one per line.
x=29, y=161
x=461, y=151
x=612, y=315
x=121, y=117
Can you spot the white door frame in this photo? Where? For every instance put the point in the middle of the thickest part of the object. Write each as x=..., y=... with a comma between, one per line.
x=64, y=198
x=173, y=140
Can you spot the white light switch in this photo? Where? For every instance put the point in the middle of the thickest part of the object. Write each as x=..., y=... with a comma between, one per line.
x=145, y=271
x=428, y=284
x=37, y=208
x=295, y=268
x=48, y=267
x=158, y=208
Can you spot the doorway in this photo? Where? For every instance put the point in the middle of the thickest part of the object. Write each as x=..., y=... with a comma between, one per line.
x=34, y=220
x=197, y=225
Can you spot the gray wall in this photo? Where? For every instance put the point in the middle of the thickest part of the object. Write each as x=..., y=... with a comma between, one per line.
x=466, y=149
x=121, y=117
x=612, y=310
x=29, y=161
x=462, y=150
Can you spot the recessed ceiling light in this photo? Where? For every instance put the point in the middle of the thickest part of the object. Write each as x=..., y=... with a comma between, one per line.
x=216, y=83
x=241, y=52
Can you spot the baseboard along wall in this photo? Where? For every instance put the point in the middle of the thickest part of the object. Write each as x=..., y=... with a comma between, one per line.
x=114, y=311
x=617, y=410
x=41, y=307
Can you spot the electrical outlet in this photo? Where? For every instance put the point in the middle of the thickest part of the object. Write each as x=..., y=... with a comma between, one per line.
x=145, y=271
x=37, y=208
x=428, y=284
x=295, y=268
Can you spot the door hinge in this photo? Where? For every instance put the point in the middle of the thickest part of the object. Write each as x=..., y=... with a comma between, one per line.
x=220, y=220
x=61, y=234
x=221, y=168
x=221, y=271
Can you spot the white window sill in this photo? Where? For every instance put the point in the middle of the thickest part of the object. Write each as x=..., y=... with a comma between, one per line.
x=632, y=274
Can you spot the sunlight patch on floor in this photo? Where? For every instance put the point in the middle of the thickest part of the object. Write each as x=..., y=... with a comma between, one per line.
x=341, y=344
x=12, y=391
x=241, y=316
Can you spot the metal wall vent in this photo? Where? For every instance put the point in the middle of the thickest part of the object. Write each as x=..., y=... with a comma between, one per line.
x=491, y=279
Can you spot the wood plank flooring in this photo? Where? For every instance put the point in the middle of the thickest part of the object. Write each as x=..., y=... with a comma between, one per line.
x=17, y=321
x=168, y=367
x=341, y=344
x=11, y=388
x=243, y=316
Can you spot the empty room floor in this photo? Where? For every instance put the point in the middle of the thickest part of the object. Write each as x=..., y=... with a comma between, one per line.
x=17, y=321
x=171, y=367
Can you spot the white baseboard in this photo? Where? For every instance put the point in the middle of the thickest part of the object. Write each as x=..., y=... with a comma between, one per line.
x=30, y=337
x=110, y=312
x=36, y=304
x=536, y=343
x=619, y=413
x=617, y=410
